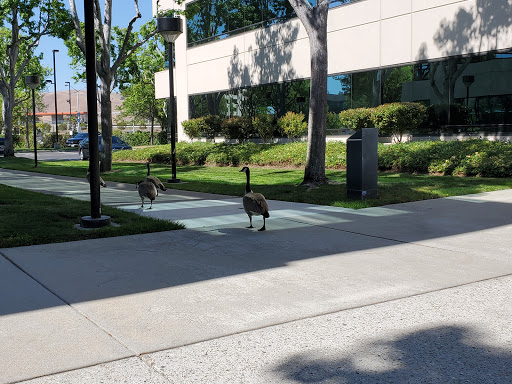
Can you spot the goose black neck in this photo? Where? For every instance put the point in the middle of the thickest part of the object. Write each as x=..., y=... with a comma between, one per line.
x=248, y=184
x=147, y=166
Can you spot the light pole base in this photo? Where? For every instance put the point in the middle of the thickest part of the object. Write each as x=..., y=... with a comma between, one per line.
x=174, y=181
x=90, y=222
x=56, y=146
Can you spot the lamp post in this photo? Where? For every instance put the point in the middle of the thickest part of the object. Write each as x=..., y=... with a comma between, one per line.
x=69, y=101
x=56, y=144
x=96, y=219
x=33, y=83
x=171, y=28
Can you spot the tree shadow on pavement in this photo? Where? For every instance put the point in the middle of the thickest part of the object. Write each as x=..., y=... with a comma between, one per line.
x=449, y=354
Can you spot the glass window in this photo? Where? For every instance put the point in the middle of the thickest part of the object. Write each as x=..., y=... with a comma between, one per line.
x=462, y=93
x=218, y=19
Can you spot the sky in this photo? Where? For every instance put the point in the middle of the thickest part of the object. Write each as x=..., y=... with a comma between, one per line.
x=122, y=12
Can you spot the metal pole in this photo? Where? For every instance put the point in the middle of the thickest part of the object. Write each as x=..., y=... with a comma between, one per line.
x=172, y=116
x=90, y=69
x=55, y=93
x=78, y=128
x=34, y=119
x=69, y=101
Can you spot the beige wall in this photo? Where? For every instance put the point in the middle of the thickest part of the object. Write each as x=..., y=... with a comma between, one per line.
x=364, y=35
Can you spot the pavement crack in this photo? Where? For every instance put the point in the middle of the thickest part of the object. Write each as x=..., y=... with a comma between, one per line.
x=70, y=305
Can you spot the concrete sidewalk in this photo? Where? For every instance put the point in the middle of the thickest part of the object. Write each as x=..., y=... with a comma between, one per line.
x=409, y=293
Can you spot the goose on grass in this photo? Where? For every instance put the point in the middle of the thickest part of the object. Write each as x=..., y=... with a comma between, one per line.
x=254, y=203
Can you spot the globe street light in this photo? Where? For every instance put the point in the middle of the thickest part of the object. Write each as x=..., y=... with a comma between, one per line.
x=171, y=28
x=33, y=83
x=56, y=144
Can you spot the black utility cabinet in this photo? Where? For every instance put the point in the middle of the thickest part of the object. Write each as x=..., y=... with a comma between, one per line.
x=362, y=164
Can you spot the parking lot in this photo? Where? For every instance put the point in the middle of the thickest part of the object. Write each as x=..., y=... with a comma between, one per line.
x=51, y=155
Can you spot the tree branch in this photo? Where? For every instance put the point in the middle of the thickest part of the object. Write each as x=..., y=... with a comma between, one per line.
x=20, y=101
x=121, y=58
x=303, y=10
x=124, y=52
x=80, y=41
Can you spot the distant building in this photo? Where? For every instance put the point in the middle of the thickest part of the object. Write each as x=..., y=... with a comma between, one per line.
x=77, y=109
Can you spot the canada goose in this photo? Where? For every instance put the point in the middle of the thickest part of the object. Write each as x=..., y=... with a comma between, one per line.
x=254, y=203
x=88, y=178
x=146, y=189
x=155, y=180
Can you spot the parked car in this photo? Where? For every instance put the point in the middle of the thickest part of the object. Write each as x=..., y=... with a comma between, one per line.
x=2, y=146
x=117, y=145
x=75, y=141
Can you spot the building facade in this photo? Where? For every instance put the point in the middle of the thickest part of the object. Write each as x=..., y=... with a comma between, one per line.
x=452, y=55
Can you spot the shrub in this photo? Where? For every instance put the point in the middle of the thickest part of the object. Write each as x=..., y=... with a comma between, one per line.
x=49, y=140
x=463, y=158
x=356, y=119
x=265, y=125
x=229, y=154
x=161, y=137
x=138, y=138
x=396, y=118
x=213, y=126
x=333, y=121
x=237, y=128
x=293, y=125
x=195, y=128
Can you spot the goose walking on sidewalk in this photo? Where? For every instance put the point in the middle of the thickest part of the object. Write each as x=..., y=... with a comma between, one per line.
x=88, y=178
x=254, y=203
x=155, y=180
x=146, y=190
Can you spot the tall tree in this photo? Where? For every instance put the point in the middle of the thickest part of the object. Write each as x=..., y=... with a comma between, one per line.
x=314, y=20
x=23, y=23
x=136, y=82
x=115, y=45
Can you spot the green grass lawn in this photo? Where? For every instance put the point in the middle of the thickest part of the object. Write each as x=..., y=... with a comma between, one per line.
x=279, y=183
x=30, y=218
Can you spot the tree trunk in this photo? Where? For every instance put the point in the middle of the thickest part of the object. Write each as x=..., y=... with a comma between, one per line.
x=314, y=20
x=315, y=160
x=27, y=130
x=106, y=127
x=8, y=107
x=152, y=128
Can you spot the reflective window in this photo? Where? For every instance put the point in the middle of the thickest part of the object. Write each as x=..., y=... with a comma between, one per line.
x=218, y=19
x=462, y=94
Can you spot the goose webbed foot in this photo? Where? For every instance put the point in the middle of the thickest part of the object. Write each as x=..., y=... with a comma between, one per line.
x=262, y=228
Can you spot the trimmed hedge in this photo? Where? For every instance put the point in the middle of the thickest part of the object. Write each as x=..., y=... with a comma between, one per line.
x=392, y=119
x=460, y=158
x=356, y=119
x=293, y=125
x=397, y=118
